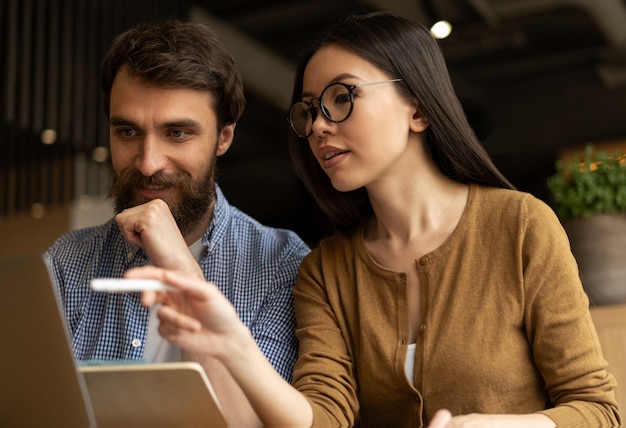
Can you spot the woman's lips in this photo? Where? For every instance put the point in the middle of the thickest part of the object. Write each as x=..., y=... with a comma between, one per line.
x=331, y=156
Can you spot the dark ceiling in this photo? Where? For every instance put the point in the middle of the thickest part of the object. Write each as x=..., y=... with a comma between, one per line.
x=535, y=77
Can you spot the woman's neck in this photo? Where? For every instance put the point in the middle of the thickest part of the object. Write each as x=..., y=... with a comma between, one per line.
x=424, y=206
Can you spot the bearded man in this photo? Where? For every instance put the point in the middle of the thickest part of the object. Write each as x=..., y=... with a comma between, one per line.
x=173, y=95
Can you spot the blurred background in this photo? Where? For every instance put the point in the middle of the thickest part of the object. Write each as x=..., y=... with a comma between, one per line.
x=536, y=77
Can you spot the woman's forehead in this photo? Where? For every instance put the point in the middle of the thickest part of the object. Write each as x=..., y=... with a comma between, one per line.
x=333, y=63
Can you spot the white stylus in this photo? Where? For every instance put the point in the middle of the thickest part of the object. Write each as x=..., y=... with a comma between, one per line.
x=113, y=285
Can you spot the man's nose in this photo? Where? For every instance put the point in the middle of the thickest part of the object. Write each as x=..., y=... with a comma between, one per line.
x=151, y=158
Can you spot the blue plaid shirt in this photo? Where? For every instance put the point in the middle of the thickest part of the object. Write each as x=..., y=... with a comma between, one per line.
x=253, y=265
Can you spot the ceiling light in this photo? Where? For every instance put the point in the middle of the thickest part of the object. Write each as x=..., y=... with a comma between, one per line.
x=37, y=210
x=48, y=136
x=100, y=154
x=441, y=29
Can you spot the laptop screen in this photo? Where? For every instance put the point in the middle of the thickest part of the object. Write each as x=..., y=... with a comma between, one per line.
x=40, y=382
x=43, y=386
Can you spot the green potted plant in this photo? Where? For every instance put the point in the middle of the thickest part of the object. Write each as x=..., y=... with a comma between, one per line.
x=589, y=197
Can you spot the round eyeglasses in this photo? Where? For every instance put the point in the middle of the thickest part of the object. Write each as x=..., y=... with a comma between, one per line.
x=335, y=103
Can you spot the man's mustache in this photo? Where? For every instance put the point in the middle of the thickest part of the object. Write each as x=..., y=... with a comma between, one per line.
x=160, y=179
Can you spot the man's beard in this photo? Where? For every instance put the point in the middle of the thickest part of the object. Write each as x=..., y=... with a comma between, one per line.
x=196, y=197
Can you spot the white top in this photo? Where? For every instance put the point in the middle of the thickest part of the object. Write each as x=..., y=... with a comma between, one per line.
x=157, y=349
x=409, y=364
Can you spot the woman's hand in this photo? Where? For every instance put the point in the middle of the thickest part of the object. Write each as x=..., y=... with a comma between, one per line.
x=196, y=316
x=444, y=419
x=441, y=419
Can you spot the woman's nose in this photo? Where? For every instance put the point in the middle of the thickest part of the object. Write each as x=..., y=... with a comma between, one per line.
x=320, y=123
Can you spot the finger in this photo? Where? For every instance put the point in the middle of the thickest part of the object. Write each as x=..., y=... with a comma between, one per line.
x=147, y=272
x=176, y=336
x=148, y=298
x=168, y=315
x=194, y=287
x=151, y=297
x=441, y=419
x=130, y=229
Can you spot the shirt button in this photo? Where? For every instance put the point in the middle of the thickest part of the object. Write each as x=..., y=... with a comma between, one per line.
x=136, y=343
x=129, y=255
x=423, y=260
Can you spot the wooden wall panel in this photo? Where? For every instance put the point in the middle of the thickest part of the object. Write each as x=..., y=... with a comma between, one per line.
x=610, y=322
x=50, y=51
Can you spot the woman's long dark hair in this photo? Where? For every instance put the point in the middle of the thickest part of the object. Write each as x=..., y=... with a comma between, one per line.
x=403, y=49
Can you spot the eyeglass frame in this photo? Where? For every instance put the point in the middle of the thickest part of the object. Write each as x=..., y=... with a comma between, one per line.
x=314, y=110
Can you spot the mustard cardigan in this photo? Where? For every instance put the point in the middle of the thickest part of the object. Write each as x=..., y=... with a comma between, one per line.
x=506, y=326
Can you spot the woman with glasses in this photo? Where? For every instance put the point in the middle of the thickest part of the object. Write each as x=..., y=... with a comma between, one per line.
x=443, y=288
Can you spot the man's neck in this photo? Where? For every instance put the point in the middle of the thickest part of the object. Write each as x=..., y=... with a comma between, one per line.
x=200, y=229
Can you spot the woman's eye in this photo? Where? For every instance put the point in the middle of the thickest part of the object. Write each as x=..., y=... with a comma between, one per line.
x=306, y=113
x=342, y=98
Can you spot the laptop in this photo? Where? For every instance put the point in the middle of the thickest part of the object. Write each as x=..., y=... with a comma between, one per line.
x=42, y=385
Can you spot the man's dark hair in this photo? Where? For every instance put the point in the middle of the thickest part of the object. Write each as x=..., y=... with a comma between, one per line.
x=175, y=54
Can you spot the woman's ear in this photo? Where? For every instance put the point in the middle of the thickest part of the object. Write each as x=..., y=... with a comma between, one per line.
x=418, y=122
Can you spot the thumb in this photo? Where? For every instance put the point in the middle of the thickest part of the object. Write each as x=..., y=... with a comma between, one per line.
x=441, y=419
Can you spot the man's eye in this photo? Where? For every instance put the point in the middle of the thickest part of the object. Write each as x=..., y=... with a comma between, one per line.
x=178, y=133
x=126, y=132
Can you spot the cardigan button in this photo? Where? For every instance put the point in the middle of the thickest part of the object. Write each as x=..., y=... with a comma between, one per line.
x=423, y=328
x=423, y=260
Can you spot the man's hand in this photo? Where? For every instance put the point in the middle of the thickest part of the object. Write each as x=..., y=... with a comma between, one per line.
x=152, y=227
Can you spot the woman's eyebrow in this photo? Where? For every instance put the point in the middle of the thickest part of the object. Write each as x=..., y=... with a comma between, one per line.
x=335, y=79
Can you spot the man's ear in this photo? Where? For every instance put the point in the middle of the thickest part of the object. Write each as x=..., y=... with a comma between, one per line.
x=225, y=139
x=418, y=122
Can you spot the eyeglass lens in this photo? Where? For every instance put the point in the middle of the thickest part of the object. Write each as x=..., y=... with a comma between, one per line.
x=335, y=104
